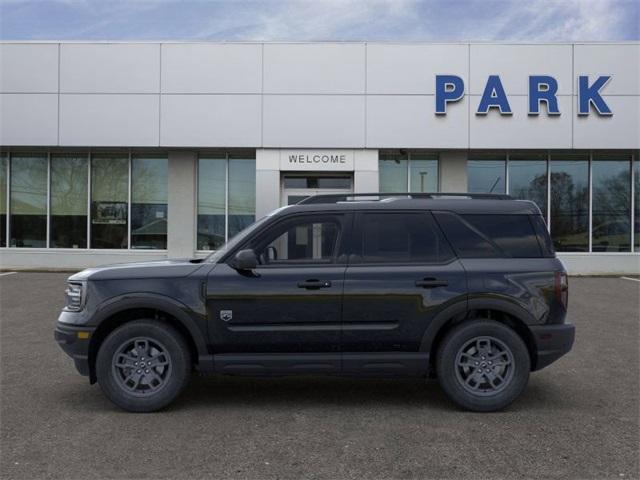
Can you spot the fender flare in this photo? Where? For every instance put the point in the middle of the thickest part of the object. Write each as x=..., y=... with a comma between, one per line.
x=497, y=302
x=183, y=314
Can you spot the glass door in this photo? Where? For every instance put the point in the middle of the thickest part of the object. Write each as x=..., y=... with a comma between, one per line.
x=296, y=188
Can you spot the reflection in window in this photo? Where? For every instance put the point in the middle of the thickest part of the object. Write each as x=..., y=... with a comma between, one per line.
x=413, y=172
x=636, y=190
x=394, y=172
x=212, y=173
x=611, y=205
x=69, y=201
x=528, y=179
x=570, y=203
x=4, y=161
x=486, y=174
x=242, y=194
x=109, y=196
x=302, y=242
x=423, y=173
x=28, y=201
x=149, y=195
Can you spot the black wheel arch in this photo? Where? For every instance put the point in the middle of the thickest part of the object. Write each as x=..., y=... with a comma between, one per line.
x=503, y=310
x=120, y=310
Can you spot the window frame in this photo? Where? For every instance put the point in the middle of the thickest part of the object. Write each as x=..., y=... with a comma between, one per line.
x=357, y=240
x=343, y=219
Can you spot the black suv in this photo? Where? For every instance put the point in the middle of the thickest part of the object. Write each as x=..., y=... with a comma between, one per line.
x=463, y=287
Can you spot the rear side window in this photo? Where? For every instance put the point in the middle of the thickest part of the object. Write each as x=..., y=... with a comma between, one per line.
x=544, y=239
x=398, y=237
x=488, y=235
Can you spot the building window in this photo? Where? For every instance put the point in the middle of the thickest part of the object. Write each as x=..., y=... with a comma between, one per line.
x=4, y=165
x=226, y=197
x=569, y=221
x=611, y=205
x=527, y=178
x=68, y=207
x=636, y=201
x=408, y=172
x=28, y=203
x=109, y=199
x=486, y=173
x=149, y=195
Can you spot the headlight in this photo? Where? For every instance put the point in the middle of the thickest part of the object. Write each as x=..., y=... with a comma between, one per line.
x=74, y=297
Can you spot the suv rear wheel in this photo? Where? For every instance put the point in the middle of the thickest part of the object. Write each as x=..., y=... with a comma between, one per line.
x=483, y=365
x=143, y=365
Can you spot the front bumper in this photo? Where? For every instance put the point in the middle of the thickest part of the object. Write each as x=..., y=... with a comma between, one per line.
x=552, y=342
x=74, y=341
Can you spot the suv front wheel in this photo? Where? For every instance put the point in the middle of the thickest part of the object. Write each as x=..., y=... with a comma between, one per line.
x=143, y=365
x=483, y=365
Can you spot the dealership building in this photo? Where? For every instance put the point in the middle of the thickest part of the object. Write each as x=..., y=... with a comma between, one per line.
x=117, y=152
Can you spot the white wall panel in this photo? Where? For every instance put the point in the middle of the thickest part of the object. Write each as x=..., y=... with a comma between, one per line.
x=411, y=69
x=109, y=120
x=621, y=130
x=521, y=130
x=211, y=68
x=109, y=68
x=28, y=68
x=314, y=68
x=313, y=121
x=409, y=121
x=28, y=119
x=620, y=61
x=514, y=64
x=211, y=120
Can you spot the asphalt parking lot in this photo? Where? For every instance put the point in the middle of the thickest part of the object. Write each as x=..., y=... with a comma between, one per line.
x=579, y=418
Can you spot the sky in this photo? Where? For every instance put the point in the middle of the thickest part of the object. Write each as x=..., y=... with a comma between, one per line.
x=321, y=20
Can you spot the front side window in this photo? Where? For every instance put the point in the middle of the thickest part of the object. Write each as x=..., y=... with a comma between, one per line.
x=28, y=222
x=303, y=241
x=402, y=238
x=69, y=183
x=109, y=197
x=149, y=196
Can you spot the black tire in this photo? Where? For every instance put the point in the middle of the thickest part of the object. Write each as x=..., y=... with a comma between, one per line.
x=462, y=361
x=127, y=385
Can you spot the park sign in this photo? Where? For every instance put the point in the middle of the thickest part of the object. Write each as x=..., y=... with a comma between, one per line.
x=542, y=89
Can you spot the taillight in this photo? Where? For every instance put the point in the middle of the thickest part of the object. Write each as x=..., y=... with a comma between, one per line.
x=562, y=288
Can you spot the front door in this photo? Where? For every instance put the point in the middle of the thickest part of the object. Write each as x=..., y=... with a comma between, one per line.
x=400, y=276
x=292, y=302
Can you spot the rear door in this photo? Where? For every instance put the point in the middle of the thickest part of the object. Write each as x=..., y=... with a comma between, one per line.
x=401, y=274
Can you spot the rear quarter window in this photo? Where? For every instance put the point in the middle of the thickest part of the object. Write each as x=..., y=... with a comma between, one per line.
x=491, y=235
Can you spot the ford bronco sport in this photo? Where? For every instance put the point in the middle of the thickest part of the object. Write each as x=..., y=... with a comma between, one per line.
x=463, y=287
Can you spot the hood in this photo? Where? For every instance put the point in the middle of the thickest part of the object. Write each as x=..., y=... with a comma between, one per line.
x=170, y=268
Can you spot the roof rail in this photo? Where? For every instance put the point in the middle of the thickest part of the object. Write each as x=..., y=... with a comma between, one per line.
x=372, y=197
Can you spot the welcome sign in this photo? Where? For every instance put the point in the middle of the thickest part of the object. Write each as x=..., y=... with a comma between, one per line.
x=317, y=160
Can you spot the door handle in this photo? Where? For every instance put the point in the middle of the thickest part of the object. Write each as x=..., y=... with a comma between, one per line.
x=431, y=283
x=314, y=284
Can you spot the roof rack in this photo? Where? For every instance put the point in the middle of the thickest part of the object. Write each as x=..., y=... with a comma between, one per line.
x=372, y=197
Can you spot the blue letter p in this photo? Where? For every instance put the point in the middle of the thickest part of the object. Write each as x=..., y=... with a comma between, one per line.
x=449, y=88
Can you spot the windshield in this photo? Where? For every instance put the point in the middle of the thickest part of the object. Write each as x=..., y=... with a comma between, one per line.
x=214, y=257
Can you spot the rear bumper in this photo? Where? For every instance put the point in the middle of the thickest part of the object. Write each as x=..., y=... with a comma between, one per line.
x=552, y=342
x=74, y=345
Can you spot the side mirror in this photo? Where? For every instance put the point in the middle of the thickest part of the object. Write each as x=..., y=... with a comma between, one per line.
x=245, y=260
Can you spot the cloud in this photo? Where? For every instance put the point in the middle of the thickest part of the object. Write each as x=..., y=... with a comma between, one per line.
x=331, y=20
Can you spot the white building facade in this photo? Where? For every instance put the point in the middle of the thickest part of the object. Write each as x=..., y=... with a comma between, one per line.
x=115, y=152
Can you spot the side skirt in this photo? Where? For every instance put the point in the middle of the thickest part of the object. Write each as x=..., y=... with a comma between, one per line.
x=374, y=364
